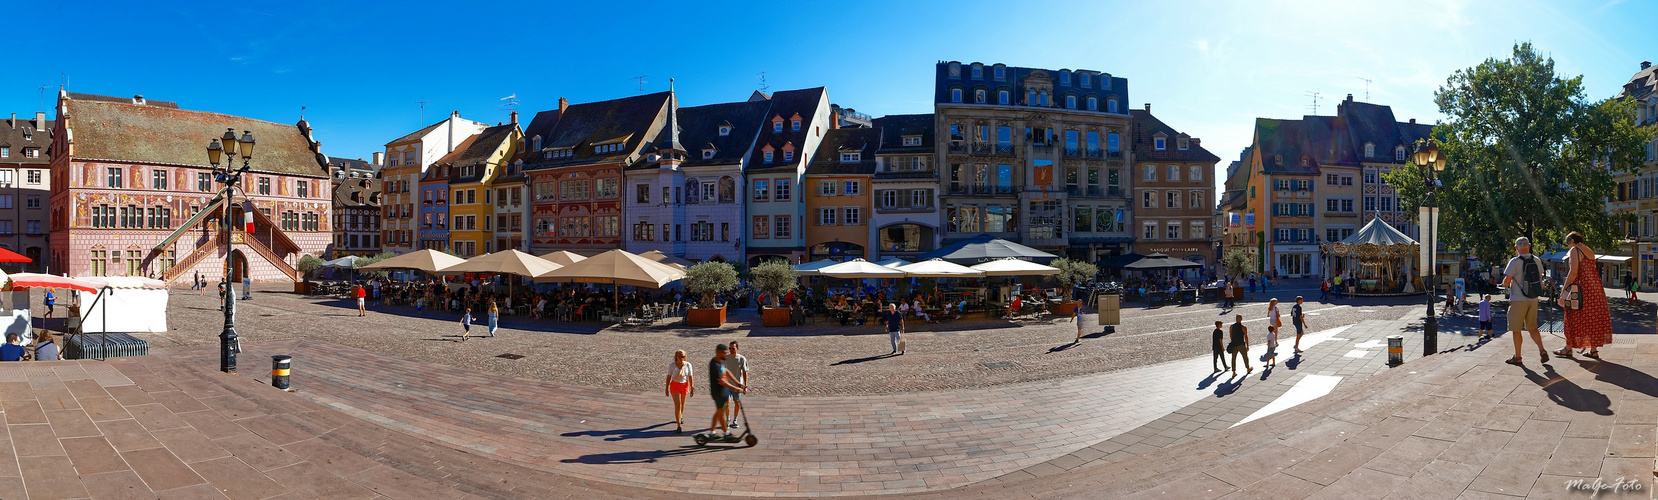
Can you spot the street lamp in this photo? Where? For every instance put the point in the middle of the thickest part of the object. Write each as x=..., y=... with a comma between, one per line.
x=1430, y=163
x=226, y=149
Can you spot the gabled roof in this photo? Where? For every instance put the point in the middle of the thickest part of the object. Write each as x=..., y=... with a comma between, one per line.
x=418, y=133
x=786, y=104
x=895, y=127
x=129, y=100
x=1642, y=83
x=1374, y=124
x=1142, y=132
x=140, y=133
x=476, y=150
x=366, y=191
x=1015, y=84
x=442, y=169
x=864, y=141
x=700, y=128
x=1326, y=139
x=1282, y=139
x=633, y=121
x=348, y=168
x=24, y=134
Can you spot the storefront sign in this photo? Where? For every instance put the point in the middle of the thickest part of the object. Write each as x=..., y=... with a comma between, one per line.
x=1295, y=248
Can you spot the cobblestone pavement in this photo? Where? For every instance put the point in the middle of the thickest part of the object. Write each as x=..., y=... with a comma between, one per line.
x=818, y=359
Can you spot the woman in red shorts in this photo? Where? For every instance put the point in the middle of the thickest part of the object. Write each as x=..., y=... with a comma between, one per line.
x=679, y=386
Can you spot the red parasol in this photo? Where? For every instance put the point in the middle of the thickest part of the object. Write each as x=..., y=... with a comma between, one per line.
x=37, y=280
x=10, y=256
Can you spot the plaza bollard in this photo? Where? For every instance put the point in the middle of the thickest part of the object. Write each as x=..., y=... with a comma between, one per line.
x=1395, y=349
x=279, y=371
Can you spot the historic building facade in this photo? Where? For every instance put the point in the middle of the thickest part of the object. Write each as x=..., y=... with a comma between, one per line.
x=407, y=159
x=788, y=139
x=1174, y=191
x=904, y=217
x=357, y=193
x=133, y=194
x=716, y=140
x=1025, y=150
x=473, y=170
x=575, y=174
x=837, y=194
x=1636, y=194
x=25, y=184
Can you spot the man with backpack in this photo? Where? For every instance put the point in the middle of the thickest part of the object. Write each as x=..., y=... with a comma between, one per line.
x=1523, y=277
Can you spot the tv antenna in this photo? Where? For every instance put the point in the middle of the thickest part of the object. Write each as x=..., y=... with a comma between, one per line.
x=763, y=86
x=423, y=111
x=1367, y=82
x=1314, y=106
x=640, y=81
x=43, y=96
x=511, y=102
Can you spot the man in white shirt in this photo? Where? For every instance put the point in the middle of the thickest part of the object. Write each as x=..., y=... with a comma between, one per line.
x=1522, y=310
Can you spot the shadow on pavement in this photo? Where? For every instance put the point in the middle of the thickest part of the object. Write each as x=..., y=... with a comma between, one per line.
x=1230, y=386
x=1209, y=380
x=854, y=361
x=1622, y=376
x=1564, y=392
x=621, y=434
x=643, y=457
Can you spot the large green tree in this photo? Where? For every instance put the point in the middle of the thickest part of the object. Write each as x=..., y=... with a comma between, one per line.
x=1528, y=155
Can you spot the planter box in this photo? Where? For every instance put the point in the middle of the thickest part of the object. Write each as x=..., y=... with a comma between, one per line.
x=712, y=317
x=302, y=287
x=1065, y=309
x=774, y=316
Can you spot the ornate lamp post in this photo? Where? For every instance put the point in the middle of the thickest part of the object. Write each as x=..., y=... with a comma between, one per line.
x=1430, y=163
x=227, y=149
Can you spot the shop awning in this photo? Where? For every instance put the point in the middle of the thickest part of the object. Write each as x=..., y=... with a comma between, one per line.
x=1612, y=258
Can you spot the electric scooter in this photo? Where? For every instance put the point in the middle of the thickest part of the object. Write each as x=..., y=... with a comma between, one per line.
x=747, y=437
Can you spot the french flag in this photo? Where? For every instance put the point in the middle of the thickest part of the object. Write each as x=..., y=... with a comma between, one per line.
x=247, y=221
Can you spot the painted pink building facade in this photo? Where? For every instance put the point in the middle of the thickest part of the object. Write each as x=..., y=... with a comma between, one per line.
x=128, y=173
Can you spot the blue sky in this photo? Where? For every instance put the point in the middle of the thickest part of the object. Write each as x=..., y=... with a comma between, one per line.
x=1208, y=68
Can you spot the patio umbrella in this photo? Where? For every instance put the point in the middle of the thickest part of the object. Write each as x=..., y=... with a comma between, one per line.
x=1014, y=267
x=420, y=260
x=508, y=261
x=563, y=257
x=658, y=256
x=37, y=280
x=985, y=248
x=811, y=268
x=348, y=262
x=124, y=282
x=939, y=268
x=892, y=262
x=1158, y=262
x=1122, y=260
x=615, y=267
x=10, y=256
x=859, y=268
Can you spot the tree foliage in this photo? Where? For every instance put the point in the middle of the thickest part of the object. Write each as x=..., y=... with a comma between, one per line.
x=709, y=279
x=773, y=278
x=1527, y=155
x=1237, y=262
x=1073, y=273
x=363, y=261
x=309, y=264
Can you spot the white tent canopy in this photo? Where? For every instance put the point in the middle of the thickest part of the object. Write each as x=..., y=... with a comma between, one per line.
x=421, y=260
x=348, y=262
x=615, y=267
x=859, y=268
x=507, y=261
x=892, y=262
x=1015, y=267
x=812, y=268
x=939, y=268
x=133, y=305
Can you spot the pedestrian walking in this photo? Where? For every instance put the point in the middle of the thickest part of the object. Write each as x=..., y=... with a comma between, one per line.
x=1485, y=316
x=737, y=365
x=466, y=324
x=1588, y=317
x=1266, y=281
x=721, y=387
x=359, y=293
x=1226, y=291
x=1299, y=318
x=1324, y=290
x=1273, y=318
x=1251, y=285
x=1272, y=346
x=1523, y=277
x=494, y=317
x=1239, y=344
x=895, y=327
x=1077, y=317
x=195, y=281
x=51, y=303
x=1634, y=288
x=45, y=349
x=679, y=385
x=1218, y=362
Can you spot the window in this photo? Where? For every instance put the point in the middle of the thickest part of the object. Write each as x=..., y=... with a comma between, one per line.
x=795, y=125
x=1197, y=199
x=1111, y=106
x=1195, y=173
x=264, y=185
x=1173, y=231
x=1196, y=230
x=1148, y=199
x=826, y=188
x=978, y=72
x=1370, y=177
x=762, y=190
x=608, y=187
x=1370, y=203
x=1173, y=200
x=777, y=126
x=112, y=178
x=1093, y=104
x=1387, y=204
x=854, y=216
x=921, y=198
x=1001, y=72
x=912, y=140
x=1369, y=150
x=642, y=193
x=955, y=70
x=5, y=152
x=709, y=193
x=1064, y=78
x=1084, y=78
x=34, y=176
x=889, y=198
x=955, y=95
x=1399, y=153
x=1160, y=144
x=782, y=193
x=33, y=201
x=304, y=189
x=1332, y=180
x=1174, y=173
x=767, y=158
x=781, y=227
x=853, y=188
x=1149, y=231
x=762, y=227
x=1111, y=142
x=978, y=96
x=1151, y=173
x=851, y=157
x=1002, y=97
x=1070, y=102
x=826, y=216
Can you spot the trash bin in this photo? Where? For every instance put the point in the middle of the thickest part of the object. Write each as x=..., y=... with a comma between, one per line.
x=1395, y=349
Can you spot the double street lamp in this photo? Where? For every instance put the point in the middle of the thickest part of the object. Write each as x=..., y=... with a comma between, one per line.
x=1430, y=163
x=226, y=149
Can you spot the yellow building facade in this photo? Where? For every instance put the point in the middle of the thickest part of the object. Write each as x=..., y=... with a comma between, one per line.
x=472, y=174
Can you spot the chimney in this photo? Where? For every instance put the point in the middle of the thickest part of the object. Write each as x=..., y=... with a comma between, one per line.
x=14, y=121
x=376, y=157
x=40, y=121
x=1646, y=64
x=1197, y=141
x=455, y=114
x=1349, y=97
x=515, y=117
x=563, y=104
x=1148, y=107
x=138, y=99
x=1412, y=121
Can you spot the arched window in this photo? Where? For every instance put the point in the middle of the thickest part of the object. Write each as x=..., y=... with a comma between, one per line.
x=955, y=95
x=1093, y=104
x=728, y=190
x=1369, y=150
x=1111, y=106
x=1001, y=97
x=692, y=187
x=978, y=96
x=1070, y=102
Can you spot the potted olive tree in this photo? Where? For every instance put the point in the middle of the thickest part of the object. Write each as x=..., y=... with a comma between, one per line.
x=308, y=265
x=709, y=279
x=1071, y=274
x=774, y=278
x=1237, y=264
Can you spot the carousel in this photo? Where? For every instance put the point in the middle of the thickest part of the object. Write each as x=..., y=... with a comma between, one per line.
x=1376, y=260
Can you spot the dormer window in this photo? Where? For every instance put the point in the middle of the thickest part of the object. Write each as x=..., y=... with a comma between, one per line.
x=851, y=157
x=1369, y=150
x=1181, y=143
x=978, y=96
x=725, y=130
x=1070, y=102
x=768, y=156
x=1084, y=78
x=27, y=135
x=955, y=71
x=1399, y=153
x=794, y=124
x=1001, y=72
x=1002, y=97
x=777, y=124
x=1160, y=143
x=1093, y=104
x=767, y=153
x=978, y=71
x=955, y=95
x=535, y=142
x=1278, y=160
x=1030, y=97
x=1111, y=106
x=1064, y=78
x=1303, y=161
x=707, y=154
x=788, y=156
x=912, y=140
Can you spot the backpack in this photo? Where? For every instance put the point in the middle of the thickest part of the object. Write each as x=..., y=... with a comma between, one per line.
x=1531, y=284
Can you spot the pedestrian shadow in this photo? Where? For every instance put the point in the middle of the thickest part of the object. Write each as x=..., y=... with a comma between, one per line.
x=1564, y=392
x=644, y=457
x=1209, y=380
x=1293, y=363
x=1230, y=386
x=854, y=361
x=621, y=434
x=1622, y=376
x=1098, y=334
x=1267, y=372
x=1063, y=347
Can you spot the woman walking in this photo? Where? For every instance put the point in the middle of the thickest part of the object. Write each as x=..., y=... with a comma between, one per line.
x=680, y=386
x=1590, y=325
x=1273, y=319
x=494, y=316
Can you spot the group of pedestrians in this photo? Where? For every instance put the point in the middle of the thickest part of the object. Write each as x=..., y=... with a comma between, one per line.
x=728, y=375
x=45, y=348
x=1588, y=322
x=1235, y=340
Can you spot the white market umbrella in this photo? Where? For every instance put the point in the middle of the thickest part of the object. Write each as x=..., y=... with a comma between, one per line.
x=505, y=262
x=892, y=262
x=563, y=257
x=420, y=260
x=812, y=268
x=939, y=268
x=658, y=256
x=347, y=262
x=1015, y=267
x=615, y=267
x=859, y=268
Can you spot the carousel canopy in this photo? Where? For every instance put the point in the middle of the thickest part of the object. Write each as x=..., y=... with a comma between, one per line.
x=1375, y=239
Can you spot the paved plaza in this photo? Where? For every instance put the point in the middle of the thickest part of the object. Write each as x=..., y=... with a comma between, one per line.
x=1334, y=422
